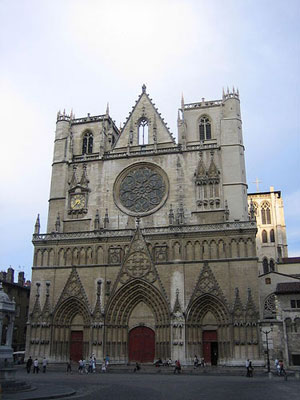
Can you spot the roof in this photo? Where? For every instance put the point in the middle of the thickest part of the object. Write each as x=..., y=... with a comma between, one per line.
x=290, y=260
x=260, y=193
x=287, y=287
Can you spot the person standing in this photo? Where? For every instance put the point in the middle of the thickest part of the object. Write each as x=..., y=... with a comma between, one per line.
x=247, y=367
x=44, y=364
x=36, y=366
x=69, y=366
x=28, y=365
x=196, y=362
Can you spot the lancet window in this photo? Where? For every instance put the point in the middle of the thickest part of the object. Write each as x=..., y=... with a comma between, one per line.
x=205, y=129
x=87, y=143
x=143, y=134
x=264, y=236
x=272, y=236
x=265, y=266
x=265, y=213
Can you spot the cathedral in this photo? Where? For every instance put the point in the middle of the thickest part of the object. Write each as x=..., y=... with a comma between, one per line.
x=150, y=247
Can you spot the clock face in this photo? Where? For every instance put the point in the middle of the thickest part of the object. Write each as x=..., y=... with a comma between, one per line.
x=77, y=202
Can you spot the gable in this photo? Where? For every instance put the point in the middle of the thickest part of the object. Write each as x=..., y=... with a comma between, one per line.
x=144, y=110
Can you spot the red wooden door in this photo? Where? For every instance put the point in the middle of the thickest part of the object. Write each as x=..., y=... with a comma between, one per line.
x=76, y=345
x=208, y=337
x=141, y=344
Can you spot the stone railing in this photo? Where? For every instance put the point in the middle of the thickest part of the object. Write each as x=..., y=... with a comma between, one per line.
x=160, y=230
x=203, y=104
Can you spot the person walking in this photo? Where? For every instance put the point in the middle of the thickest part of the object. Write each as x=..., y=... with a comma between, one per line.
x=250, y=369
x=80, y=367
x=44, y=364
x=247, y=367
x=177, y=367
x=69, y=366
x=36, y=366
x=29, y=364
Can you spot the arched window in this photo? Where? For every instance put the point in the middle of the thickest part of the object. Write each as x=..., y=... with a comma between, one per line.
x=265, y=266
x=143, y=131
x=272, y=236
x=264, y=236
x=87, y=143
x=265, y=213
x=205, y=129
x=272, y=265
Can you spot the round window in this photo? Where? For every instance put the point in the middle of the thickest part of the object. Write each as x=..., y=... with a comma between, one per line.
x=141, y=189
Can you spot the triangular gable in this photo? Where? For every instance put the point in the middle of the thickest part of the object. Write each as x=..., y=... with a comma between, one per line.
x=138, y=264
x=158, y=130
x=207, y=284
x=73, y=288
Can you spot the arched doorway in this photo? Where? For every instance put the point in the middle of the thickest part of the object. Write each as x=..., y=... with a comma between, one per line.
x=141, y=344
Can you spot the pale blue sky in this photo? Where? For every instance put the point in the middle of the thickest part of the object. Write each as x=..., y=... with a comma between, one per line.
x=83, y=54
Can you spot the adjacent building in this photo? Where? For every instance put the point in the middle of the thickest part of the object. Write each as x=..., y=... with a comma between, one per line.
x=19, y=292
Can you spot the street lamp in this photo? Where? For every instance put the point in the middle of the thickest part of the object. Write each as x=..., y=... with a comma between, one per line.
x=267, y=333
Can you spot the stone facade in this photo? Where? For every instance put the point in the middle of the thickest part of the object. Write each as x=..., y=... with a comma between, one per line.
x=148, y=240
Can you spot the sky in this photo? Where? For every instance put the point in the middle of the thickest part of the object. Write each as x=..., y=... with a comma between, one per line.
x=80, y=55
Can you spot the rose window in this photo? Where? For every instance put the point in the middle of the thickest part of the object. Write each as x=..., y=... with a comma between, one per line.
x=141, y=189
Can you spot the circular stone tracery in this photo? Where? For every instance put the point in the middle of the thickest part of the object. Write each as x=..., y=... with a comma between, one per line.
x=141, y=189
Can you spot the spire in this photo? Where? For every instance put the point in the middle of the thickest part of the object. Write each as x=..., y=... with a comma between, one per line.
x=177, y=307
x=84, y=179
x=57, y=223
x=252, y=211
x=180, y=215
x=182, y=102
x=171, y=216
x=37, y=225
x=73, y=181
x=226, y=212
x=107, y=108
x=106, y=219
x=223, y=94
x=97, y=221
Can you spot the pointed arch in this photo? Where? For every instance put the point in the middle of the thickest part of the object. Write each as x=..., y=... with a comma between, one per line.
x=68, y=309
x=204, y=128
x=204, y=304
x=126, y=299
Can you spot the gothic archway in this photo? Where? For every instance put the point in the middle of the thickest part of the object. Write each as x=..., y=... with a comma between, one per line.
x=119, y=309
x=71, y=330
x=207, y=324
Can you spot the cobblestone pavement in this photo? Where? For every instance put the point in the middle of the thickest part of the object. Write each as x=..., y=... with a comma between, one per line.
x=157, y=387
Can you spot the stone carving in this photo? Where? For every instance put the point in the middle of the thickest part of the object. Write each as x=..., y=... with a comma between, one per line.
x=73, y=289
x=142, y=190
x=207, y=284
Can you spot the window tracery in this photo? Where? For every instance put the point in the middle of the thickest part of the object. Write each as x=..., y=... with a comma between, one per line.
x=143, y=133
x=205, y=129
x=87, y=143
x=270, y=306
x=207, y=184
x=265, y=213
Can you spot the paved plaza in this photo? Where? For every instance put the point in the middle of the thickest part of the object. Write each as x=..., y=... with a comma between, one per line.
x=130, y=386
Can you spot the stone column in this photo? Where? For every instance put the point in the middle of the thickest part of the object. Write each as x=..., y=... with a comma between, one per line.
x=9, y=333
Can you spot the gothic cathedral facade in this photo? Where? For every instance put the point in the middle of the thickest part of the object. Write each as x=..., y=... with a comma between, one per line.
x=150, y=249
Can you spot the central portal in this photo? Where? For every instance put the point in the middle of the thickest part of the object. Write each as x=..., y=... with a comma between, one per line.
x=141, y=344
